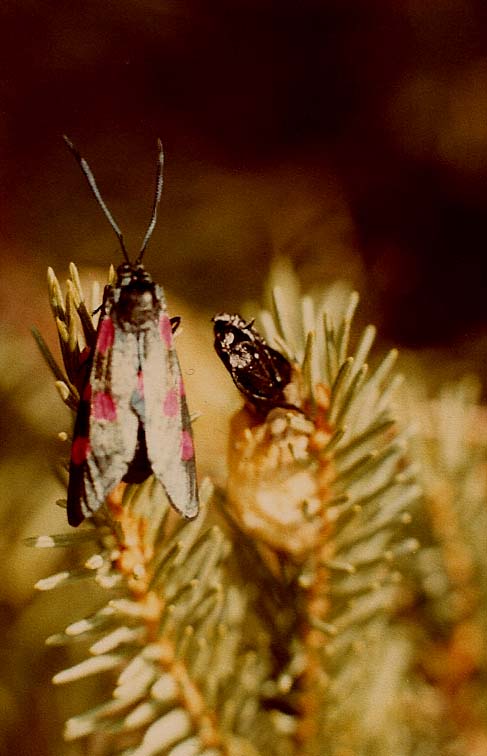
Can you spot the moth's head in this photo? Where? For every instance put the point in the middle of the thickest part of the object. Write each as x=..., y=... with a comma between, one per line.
x=132, y=274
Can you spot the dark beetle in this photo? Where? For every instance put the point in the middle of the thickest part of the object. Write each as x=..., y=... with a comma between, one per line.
x=258, y=371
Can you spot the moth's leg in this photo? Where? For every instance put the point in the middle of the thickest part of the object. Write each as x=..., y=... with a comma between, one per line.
x=175, y=323
x=107, y=300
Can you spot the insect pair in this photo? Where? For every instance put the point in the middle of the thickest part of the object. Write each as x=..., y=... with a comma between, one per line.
x=132, y=419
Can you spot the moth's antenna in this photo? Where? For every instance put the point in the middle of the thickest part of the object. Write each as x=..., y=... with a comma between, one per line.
x=155, y=204
x=91, y=181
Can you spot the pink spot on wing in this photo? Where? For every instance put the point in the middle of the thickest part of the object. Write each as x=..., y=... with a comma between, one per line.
x=140, y=383
x=187, y=450
x=106, y=336
x=166, y=330
x=171, y=403
x=103, y=407
x=80, y=449
x=182, y=390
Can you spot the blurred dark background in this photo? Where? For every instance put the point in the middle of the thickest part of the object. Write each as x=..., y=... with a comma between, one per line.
x=351, y=136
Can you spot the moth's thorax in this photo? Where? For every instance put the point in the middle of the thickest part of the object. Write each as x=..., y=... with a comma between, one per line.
x=128, y=273
x=137, y=299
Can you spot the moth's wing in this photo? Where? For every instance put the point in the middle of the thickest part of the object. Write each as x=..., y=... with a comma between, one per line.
x=77, y=506
x=103, y=448
x=167, y=425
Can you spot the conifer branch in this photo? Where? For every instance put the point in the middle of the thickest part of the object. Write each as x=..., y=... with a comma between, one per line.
x=324, y=498
x=334, y=600
x=448, y=656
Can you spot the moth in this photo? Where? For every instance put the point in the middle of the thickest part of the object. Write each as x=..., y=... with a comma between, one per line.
x=258, y=371
x=132, y=420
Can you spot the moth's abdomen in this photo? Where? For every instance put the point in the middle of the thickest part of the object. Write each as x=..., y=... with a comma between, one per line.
x=140, y=468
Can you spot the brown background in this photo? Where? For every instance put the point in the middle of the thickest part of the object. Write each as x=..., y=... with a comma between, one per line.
x=351, y=136
x=373, y=111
